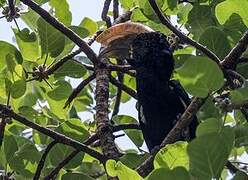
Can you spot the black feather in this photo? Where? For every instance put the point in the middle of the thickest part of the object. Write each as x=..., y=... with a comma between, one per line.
x=161, y=100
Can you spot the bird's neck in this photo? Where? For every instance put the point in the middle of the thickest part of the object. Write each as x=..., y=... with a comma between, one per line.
x=150, y=85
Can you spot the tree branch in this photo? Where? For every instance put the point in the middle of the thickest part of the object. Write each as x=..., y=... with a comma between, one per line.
x=105, y=10
x=125, y=126
x=56, y=170
x=125, y=88
x=60, y=138
x=63, y=29
x=123, y=18
x=2, y=129
x=115, y=9
x=232, y=59
x=11, y=7
x=104, y=130
x=42, y=160
x=122, y=68
x=78, y=89
x=182, y=37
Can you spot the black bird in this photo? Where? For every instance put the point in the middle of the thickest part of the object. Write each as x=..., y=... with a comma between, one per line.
x=161, y=101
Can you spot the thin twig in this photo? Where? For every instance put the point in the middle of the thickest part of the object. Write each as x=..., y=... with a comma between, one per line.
x=120, y=76
x=63, y=29
x=105, y=10
x=78, y=89
x=60, y=138
x=42, y=160
x=125, y=88
x=11, y=7
x=122, y=68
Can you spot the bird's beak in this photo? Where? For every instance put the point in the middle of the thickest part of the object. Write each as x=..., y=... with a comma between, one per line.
x=118, y=48
x=116, y=40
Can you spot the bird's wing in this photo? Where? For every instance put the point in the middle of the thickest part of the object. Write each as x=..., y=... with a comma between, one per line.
x=179, y=90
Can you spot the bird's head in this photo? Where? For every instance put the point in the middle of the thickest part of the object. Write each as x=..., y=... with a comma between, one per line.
x=144, y=49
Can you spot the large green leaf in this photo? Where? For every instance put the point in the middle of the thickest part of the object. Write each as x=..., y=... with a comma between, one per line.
x=61, y=91
x=199, y=18
x=5, y=49
x=76, y=176
x=72, y=69
x=52, y=41
x=18, y=89
x=177, y=173
x=89, y=24
x=127, y=4
x=135, y=135
x=30, y=18
x=225, y=9
x=123, y=172
x=208, y=153
x=74, y=129
x=210, y=125
x=171, y=156
x=28, y=44
x=215, y=40
x=200, y=76
x=62, y=11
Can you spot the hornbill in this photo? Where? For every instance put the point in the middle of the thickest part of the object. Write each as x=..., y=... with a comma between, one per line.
x=161, y=101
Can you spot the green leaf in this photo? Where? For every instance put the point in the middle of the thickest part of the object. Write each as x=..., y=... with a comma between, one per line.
x=18, y=89
x=132, y=160
x=241, y=135
x=240, y=175
x=215, y=40
x=211, y=125
x=5, y=49
x=135, y=135
x=240, y=94
x=200, y=76
x=126, y=4
x=208, y=153
x=28, y=44
x=61, y=151
x=171, y=156
x=148, y=10
x=10, y=146
x=30, y=18
x=72, y=69
x=183, y=13
x=177, y=173
x=61, y=91
x=234, y=27
x=199, y=18
x=75, y=129
x=90, y=168
x=62, y=11
x=89, y=24
x=138, y=16
x=75, y=176
x=52, y=41
x=225, y=9
x=123, y=172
